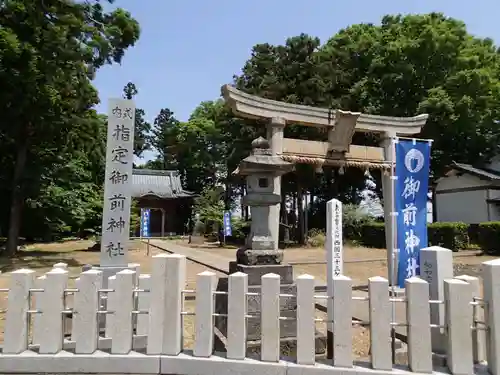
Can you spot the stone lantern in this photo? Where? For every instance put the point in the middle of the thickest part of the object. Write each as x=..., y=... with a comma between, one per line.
x=261, y=169
x=261, y=255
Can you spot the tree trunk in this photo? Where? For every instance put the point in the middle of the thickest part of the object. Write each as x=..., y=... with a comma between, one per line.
x=306, y=217
x=300, y=214
x=284, y=220
x=16, y=204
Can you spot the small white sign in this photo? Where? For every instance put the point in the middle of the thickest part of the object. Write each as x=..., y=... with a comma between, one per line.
x=334, y=259
x=117, y=183
x=334, y=247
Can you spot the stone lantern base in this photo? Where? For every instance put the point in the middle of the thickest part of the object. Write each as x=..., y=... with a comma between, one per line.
x=255, y=273
x=288, y=309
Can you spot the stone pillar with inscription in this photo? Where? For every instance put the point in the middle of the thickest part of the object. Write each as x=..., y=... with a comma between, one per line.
x=117, y=187
x=334, y=261
x=436, y=266
x=115, y=234
x=334, y=244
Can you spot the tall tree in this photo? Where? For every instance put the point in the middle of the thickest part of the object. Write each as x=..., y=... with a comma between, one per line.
x=141, y=126
x=66, y=198
x=290, y=73
x=405, y=66
x=422, y=63
x=206, y=149
x=49, y=51
x=163, y=139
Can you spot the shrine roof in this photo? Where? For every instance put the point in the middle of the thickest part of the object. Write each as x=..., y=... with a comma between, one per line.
x=483, y=173
x=162, y=184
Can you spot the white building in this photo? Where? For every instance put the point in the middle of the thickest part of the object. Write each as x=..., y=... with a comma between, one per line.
x=469, y=194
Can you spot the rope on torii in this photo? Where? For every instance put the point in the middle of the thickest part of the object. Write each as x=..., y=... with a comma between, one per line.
x=336, y=163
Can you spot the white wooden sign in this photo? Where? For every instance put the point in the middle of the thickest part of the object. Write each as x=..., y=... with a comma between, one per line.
x=117, y=183
x=334, y=248
x=334, y=260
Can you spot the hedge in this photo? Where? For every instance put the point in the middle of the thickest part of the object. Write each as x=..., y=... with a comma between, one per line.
x=452, y=236
x=373, y=235
x=489, y=237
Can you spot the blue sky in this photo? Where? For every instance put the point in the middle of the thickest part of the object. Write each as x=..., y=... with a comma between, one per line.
x=190, y=48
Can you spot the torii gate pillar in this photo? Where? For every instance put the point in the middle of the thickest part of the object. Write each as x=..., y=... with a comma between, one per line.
x=388, y=197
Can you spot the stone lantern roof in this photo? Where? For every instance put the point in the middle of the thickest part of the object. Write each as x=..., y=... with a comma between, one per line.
x=261, y=160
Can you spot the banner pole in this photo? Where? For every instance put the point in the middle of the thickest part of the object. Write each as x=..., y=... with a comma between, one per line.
x=416, y=139
x=393, y=268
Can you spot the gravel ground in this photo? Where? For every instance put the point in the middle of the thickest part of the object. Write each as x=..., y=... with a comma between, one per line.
x=467, y=269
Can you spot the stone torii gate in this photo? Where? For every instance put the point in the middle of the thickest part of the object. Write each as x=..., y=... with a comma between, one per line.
x=338, y=151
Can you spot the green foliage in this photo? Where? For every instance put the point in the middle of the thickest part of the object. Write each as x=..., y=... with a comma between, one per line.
x=205, y=149
x=135, y=218
x=373, y=235
x=67, y=203
x=49, y=53
x=53, y=143
x=141, y=126
x=421, y=63
x=198, y=227
x=453, y=236
x=316, y=238
x=353, y=221
x=163, y=139
x=489, y=237
x=240, y=229
x=209, y=207
x=405, y=66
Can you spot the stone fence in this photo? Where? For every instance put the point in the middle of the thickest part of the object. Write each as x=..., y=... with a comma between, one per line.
x=144, y=325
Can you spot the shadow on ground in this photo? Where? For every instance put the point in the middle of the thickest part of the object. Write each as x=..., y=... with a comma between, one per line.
x=34, y=259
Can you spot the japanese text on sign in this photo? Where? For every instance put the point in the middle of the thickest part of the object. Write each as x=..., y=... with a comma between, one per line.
x=117, y=184
x=427, y=272
x=337, y=271
x=334, y=250
x=334, y=238
x=228, y=232
x=412, y=171
x=145, y=217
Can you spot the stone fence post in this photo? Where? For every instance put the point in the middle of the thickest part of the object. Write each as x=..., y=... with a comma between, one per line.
x=491, y=292
x=436, y=265
x=458, y=318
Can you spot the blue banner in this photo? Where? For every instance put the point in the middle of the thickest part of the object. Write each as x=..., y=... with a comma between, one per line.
x=410, y=199
x=228, y=232
x=145, y=214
